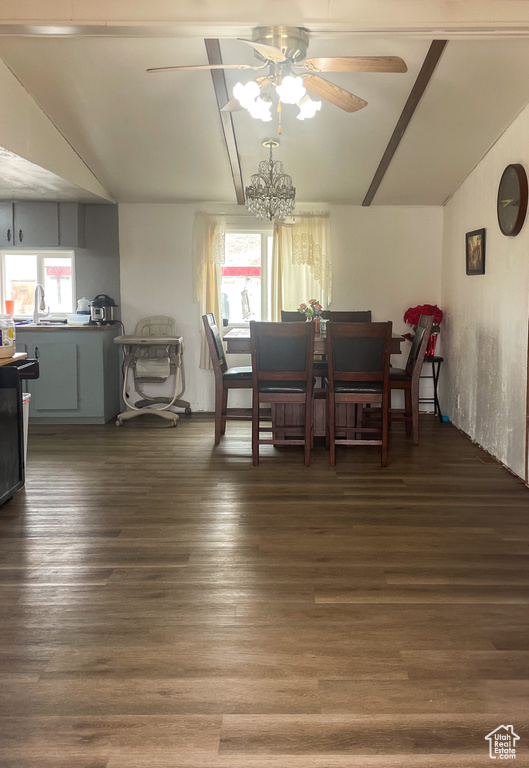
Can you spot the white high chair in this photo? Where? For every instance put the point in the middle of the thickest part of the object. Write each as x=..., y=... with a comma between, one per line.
x=153, y=354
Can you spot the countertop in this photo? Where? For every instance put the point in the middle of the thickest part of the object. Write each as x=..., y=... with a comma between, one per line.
x=61, y=327
x=16, y=356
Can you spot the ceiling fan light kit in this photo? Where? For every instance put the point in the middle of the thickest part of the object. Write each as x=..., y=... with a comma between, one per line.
x=307, y=108
x=271, y=194
x=290, y=91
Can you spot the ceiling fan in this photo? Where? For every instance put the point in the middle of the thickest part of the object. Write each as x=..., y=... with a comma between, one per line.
x=283, y=51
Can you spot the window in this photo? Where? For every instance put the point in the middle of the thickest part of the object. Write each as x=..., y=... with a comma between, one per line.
x=21, y=272
x=246, y=276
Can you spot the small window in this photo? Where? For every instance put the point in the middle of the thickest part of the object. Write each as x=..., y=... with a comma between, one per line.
x=21, y=272
x=245, y=277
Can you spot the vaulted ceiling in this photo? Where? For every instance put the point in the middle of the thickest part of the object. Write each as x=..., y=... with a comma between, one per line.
x=159, y=137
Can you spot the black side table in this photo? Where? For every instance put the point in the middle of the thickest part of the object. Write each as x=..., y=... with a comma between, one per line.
x=435, y=361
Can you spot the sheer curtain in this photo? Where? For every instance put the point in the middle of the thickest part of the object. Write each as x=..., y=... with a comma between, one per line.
x=209, y=238
x=301, y=262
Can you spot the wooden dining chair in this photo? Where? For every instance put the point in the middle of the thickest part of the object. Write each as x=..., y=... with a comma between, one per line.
x=289, y=316
x=225, y=378
x=356, y=316
x=358, y=359
x=282, y=360
x=407, y=379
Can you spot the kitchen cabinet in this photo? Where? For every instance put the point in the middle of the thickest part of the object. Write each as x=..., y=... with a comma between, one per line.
x=32, y=225
x=36, y=224
x=6, y=224
x=79, y=379
x=42, y=225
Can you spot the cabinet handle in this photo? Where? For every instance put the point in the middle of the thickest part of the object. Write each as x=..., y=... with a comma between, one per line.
x=20, y=235
x=8, y=235
x=36, y=353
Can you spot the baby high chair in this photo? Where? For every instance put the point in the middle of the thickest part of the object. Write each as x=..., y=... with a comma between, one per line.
x=153, y=354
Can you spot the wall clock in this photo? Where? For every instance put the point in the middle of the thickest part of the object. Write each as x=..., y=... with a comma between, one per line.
x=512, y=199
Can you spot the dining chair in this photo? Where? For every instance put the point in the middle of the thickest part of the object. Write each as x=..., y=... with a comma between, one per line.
x=356, y=316
x=289, y=316
x=358, y=359
x=225, y=378
x=408, y=378
x=282, y=360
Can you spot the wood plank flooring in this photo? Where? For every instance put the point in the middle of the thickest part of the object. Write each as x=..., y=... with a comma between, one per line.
x=165, y=604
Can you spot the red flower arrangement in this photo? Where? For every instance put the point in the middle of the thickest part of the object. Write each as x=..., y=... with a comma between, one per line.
x=412, y=315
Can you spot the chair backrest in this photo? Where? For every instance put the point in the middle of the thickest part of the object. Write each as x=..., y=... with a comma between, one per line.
x=357, y=316
x=282, y=351
x=157, y=325
x=418, y=346
x=359, y=352
x=288, y=316
x=214, y=339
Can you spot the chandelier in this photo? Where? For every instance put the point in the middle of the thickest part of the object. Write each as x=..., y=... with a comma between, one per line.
x=271, y=194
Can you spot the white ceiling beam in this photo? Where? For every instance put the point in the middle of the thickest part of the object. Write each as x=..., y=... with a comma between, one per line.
x=438, y=18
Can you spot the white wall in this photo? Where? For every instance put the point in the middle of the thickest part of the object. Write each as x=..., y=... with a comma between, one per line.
x=485, y=330
x=385, y=259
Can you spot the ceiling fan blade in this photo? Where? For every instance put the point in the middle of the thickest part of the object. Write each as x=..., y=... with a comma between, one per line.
x=206, y=66
x=234, y=105
x=356, y=64
x=267, y=51
x=333, y=93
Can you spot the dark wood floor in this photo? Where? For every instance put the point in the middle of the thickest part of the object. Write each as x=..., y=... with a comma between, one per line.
x=164, y=604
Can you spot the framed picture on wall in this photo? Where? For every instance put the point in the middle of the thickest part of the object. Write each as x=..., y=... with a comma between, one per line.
x=475, y=252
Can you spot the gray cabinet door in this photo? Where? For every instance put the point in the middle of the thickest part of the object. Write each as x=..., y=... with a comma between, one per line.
x=37, y=224
x=56, y=389
x=6, y=224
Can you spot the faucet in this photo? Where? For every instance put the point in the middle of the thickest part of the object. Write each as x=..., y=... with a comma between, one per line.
x=39, y=303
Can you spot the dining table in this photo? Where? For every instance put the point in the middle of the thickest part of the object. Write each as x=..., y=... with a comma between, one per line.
x=238, y=342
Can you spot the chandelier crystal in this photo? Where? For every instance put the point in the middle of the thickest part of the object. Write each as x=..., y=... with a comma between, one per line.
x=271, y=194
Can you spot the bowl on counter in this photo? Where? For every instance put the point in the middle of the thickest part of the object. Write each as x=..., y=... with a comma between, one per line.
x=78, y=319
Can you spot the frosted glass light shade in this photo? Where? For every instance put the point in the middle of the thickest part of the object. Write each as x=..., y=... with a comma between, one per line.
x=307, y=108
x=246, y=94
x=291, y=90
x=260, y=109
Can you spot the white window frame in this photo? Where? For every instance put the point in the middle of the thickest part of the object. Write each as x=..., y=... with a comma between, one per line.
x=243, y=226
x=41, y=254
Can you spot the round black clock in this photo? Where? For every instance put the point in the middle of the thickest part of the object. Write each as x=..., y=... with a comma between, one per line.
x=512, y=199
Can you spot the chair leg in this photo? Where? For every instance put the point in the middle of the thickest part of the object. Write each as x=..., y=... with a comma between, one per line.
x=408, y=406
x=224, y=410
x=218, y=413
x=384, y=425
x=255, y=429
x=327, y=441
x=414, y=397
x=308, y=428
x=332, y=436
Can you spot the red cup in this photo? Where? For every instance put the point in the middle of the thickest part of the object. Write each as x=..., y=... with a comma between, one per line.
x=10, y=307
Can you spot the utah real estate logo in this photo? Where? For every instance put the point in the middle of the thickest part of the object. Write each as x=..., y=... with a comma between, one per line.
x=502, y=743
